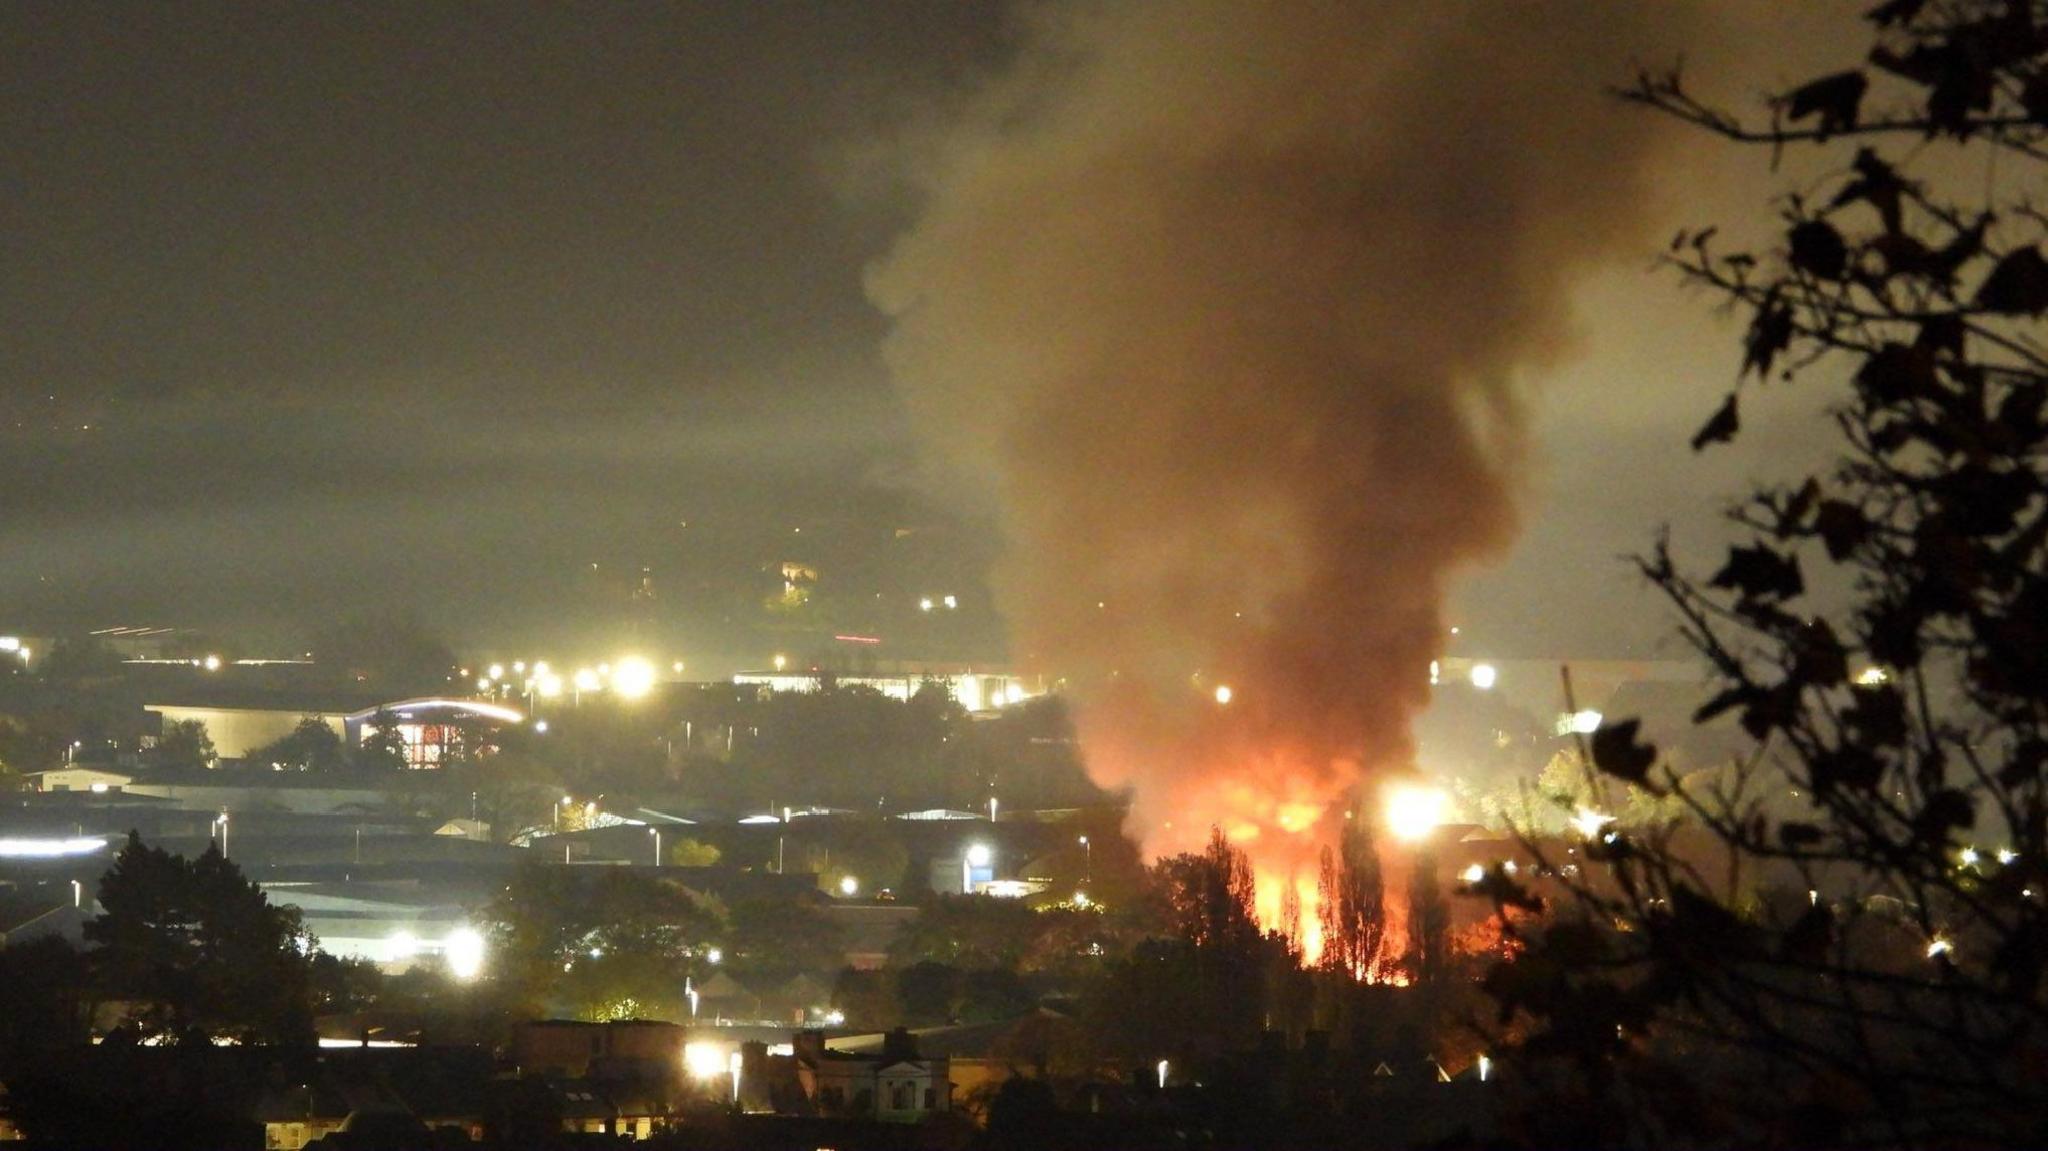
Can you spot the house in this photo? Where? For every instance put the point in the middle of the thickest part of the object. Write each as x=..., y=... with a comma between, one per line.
x=894, y=1084
x=572, y=1049
x=81, y=777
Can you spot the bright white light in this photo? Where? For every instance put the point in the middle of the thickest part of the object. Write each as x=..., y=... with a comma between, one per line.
x=1081, y=899
x=587, y=680
x=212, y=663
x=99, y=789
x=925, y=604
x=1223, y=693
x=10, y=643
x=1436, y=671
x=1414, y=812
x=1939, y=946
x=1968, y=856
x=676, y=667
x=714, y=956
x=1586, y=722
x=835, y=1018
x=519, y=665
x=2006, y=855
x=704, y=1060
x=1162, y=1074
x=403, y=945
x=781, y=662
x=1484, y=676
x=633, y=678
x=48, y=848
x=1474, y=873
x=979, y=855
x=540, y=667
x=1589, y=823
x=547, y=684
x=483, y=684
x=1014, y=693
x=848, y=885
x=496, y=671
x=951, y=603
x=464, y=950
x=1485, y=1068
x=1873, y=676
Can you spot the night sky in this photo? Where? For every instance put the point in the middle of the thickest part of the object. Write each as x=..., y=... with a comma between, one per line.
x=314, y=311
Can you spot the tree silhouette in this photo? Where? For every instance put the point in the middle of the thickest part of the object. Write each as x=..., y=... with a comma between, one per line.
x=198, y=951
x=1845, y=943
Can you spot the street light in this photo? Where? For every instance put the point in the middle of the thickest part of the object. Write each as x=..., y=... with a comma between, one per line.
x=1087, y=860
x=656, y=833
x=221, y=821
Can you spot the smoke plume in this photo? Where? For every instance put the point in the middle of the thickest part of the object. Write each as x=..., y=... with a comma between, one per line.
x=1232, y=305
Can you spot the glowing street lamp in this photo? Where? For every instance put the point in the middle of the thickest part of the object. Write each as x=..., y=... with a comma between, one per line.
x=1087, y=860
x=1590, y=823
x=1484, y=676
x=656, y=833
x=633, y=678
x=1223, y=693
x=781, y=662
x=849, y=886
x=464, y=950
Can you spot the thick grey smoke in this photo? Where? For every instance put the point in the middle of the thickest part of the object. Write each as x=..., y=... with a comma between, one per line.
x=1231, y=301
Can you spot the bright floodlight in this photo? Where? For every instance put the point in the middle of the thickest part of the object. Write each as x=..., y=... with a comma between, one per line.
x=403, y=945
x=978, y=855
x=1590, y=823
x=1414, y=812
x=1586, y=722
x=1484, y=676
x=213, y=663
x=48, y=848
x=464, y=950
x=704, y=1060
x=714, y=955
x=1474, y=873
x=633, y=677
x=848, y=885
x=495, y=671
x=1223, y=693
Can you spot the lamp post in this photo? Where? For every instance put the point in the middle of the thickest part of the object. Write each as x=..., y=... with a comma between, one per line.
x=1087, y=861
x=221, y=821
x=656, y=833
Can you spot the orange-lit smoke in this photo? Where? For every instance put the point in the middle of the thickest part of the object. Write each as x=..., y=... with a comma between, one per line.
x=1228, y=303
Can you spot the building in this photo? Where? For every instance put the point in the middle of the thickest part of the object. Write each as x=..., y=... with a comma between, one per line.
x=892, y=1084
x=976, y=689
x=434, y=729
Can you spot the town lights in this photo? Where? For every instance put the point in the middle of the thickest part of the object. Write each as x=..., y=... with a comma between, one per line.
x=464, y=951
x=1413, y=811
x=633, y=677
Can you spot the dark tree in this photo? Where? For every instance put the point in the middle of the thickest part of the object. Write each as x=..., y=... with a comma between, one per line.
x=198, y=951
x=1351, y=905
x=311, y=746
x=185, y=743
x=1850, y=947
x=383, y=747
